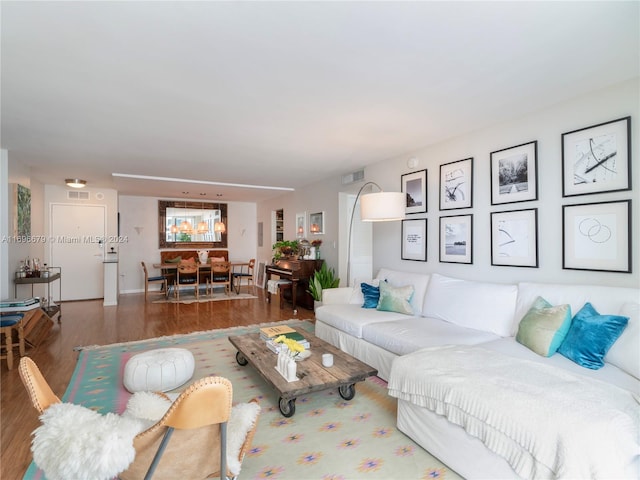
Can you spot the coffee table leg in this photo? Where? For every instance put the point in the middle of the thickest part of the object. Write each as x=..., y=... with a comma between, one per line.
x=240, y=359
x=347, y=391
x=287, y=406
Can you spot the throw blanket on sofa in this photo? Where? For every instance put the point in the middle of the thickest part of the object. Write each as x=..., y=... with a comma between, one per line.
x=528, y=413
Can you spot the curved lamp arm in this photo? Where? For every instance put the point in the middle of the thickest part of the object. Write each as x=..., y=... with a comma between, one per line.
x=381, y=207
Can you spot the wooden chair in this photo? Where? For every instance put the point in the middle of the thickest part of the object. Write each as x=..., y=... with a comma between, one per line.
x=10, y=324
x=159, y=279
x=220, y=276
x=187, y=274
x=248, y=275
x=189, y=441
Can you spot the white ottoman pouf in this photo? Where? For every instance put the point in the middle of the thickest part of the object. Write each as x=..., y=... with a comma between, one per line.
x=158, y=370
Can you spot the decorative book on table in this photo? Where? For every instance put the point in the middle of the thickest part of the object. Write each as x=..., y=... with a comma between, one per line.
x=19, y=305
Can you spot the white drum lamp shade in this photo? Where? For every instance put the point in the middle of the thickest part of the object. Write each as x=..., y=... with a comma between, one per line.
x=382, y=206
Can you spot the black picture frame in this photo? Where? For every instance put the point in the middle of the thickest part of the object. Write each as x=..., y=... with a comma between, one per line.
x=514, y=174
x=414, y=239
x=514, y=238
x=456, y=239
x=414, y=186
x=456, y=184
x=597, y=159
x=597, y=236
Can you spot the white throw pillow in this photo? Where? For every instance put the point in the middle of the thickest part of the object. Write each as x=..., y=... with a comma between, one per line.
x=625, y=352
x=479, y=305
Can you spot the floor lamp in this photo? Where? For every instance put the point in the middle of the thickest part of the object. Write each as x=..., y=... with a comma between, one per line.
x=375, y=207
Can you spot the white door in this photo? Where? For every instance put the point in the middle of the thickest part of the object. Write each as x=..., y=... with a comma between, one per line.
x=77, y=246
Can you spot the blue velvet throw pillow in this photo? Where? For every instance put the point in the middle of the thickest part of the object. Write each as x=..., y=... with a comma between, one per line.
x=371, y=295
x=590, y=337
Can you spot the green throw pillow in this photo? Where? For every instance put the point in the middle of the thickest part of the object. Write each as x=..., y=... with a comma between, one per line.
x=395, y=299
x=173, y=260
x=544, y=327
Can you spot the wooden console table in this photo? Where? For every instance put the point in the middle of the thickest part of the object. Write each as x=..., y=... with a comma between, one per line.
x=55, y=273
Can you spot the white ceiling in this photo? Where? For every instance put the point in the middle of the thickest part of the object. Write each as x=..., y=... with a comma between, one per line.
x=288, y=93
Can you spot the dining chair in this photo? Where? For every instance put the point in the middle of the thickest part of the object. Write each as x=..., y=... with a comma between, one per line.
x=220, y=276
x=246, y=275
x=187, y=274
x=157, y=279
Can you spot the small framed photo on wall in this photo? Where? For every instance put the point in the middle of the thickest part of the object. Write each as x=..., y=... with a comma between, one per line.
x=456, y=184
x=456, y=235
x=414, y=186
x=301, y=225
x=514, y=174
x=414, y=240
x=597, y=159
x=597, y=236
x=514, y=238
x=316, y=223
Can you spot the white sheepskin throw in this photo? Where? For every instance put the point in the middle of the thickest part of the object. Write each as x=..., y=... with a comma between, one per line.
x=77, y=443
x=243, y=417
x=148, y=407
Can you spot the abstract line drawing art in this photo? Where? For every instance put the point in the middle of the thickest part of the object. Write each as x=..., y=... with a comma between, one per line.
x=597, y=236
x=597, y=159
x=456, y=184
x=514, y=238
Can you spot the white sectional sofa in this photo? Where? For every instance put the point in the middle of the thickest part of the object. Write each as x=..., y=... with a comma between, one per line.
x=456, y=319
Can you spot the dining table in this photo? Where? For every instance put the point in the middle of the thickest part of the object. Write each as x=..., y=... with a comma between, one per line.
x=202, y=267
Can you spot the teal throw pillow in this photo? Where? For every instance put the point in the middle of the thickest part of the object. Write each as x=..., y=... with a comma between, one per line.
x=395, y=299
x=371, y=295
x=544, y=327
x=591, y=336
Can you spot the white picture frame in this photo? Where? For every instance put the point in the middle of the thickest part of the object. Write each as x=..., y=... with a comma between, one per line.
x=301, y=225
x=316, y=223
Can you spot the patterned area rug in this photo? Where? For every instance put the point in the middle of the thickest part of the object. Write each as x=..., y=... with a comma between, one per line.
x=328, y=438
x=214, y=297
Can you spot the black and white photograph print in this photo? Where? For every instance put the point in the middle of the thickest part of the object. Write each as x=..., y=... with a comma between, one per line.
x=456, y=184
x=597, y=236
x=514, y=175
x=514, y=238
x=456, y=233
x=414, y=240
x=414, y=186
x=597, y=159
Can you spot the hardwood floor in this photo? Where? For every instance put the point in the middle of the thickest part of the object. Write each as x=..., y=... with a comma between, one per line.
x=89, y=323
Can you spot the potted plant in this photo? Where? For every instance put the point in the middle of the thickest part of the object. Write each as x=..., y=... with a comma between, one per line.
x=284, y=248
x=321, y=279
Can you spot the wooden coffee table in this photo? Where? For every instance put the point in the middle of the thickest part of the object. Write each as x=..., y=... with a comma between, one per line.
x=312, y=375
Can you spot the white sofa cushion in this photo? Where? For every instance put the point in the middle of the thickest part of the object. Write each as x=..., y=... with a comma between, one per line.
x=606, y=300
x=351, y=318
x=625, y=352
x=413, y=333
x=480, y=305
x=420, y=281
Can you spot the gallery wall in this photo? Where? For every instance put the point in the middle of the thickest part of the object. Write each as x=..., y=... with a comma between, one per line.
x=545, y=127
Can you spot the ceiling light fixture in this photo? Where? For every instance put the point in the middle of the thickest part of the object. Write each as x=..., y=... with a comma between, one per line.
x=202, y=182
x=75, y=183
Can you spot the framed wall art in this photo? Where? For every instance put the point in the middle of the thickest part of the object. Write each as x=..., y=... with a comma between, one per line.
x=514, y=238
x=414, y=240
x=597, y=159
x=597, y=236
x=316, y=223
x=301, y=224
x=456, y=235
x=22, y=210
x=456, y=184
x=414, y=186
x=514, y=174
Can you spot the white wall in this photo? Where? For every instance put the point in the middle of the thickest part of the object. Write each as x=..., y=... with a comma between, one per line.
x=6, y=274
x=142, y=212
x=546, y=127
